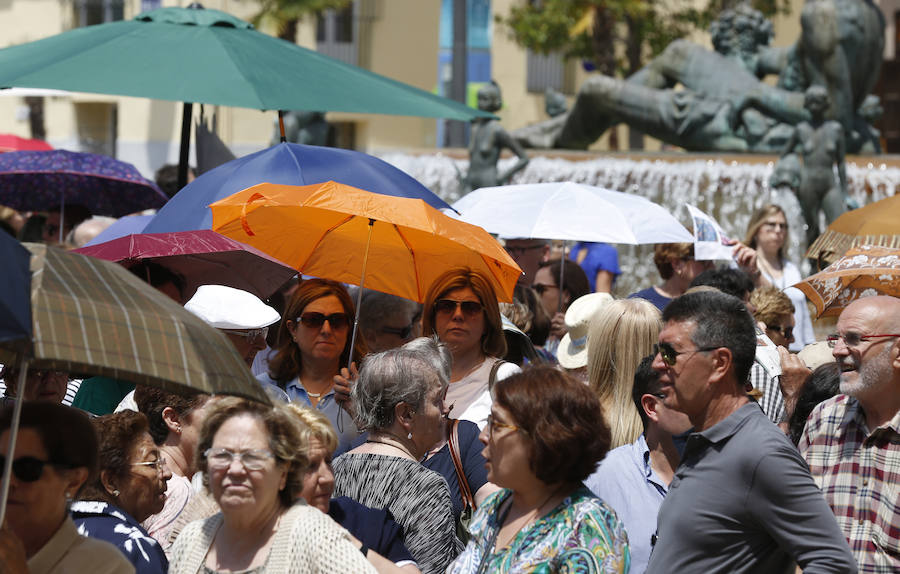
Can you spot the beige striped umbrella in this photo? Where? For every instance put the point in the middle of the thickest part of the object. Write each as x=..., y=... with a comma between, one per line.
x=94, y=317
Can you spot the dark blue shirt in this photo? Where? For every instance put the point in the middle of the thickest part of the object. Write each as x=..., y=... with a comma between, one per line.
x=374, y=528
x=473, y=464
x=651, y=295
x=112, y=524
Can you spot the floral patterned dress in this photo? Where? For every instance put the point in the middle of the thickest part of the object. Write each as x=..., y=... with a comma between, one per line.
x=580, y=535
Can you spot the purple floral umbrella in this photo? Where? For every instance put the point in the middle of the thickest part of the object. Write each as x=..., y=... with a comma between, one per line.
x=41, y=180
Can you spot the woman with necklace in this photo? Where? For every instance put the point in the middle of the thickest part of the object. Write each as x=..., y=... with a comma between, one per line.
x=543, y=438
x=313, y=344
x=768, y=234
x=461, y=309
x=399, y=400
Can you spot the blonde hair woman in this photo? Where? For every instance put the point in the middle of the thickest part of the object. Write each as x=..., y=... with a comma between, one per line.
x=621, y=334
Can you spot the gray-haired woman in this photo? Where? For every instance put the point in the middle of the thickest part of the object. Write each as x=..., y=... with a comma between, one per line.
x=399, y=399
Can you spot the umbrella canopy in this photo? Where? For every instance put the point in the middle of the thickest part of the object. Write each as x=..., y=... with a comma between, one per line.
x=93, y=317
x=128, y=225
x=407, y=246
x=289, y=164
x=570, y=211
x=202, y=257
x=15, y=293
x=875, y=224
x=9, y=142
x=208, y=56
x=863, y=271
x=37, y=180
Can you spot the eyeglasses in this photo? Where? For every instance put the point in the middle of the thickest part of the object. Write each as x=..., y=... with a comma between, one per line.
x=786, y=332
x=221, y=458
x=159, y=464
x=657, y=395
x=851, y=340
x=670, y=355
x=402, y=332
x=41, y=373
x=493, y=425
x=314, y=320
x=541, y=288
x=449, y=306
x=775, y=225
x=249, y=334
x=29, y=468
x=516, y=251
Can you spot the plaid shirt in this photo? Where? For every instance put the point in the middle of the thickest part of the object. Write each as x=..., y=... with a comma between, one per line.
x=772, y=401
x=859, y=474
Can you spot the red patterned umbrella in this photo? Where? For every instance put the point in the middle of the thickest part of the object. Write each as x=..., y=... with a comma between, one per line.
x=9, y=142
x=863, y=271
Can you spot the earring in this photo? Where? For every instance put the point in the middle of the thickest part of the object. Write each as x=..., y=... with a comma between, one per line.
x=409, y=436
x=116, y=493
x=68, y=497
x=178, y=429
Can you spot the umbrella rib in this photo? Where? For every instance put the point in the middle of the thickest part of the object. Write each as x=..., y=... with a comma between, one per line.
x=322, y=238
x=412, y=254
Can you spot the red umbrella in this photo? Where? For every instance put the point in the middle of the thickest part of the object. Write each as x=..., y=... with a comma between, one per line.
x=9, y=142
x=203, y=257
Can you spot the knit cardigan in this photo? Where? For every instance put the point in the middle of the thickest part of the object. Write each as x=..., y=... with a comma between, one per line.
x=307, y=542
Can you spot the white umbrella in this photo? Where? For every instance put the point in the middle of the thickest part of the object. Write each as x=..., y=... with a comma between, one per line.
x=572, y=212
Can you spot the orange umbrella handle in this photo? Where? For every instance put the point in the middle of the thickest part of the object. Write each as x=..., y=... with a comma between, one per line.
x=362, y=282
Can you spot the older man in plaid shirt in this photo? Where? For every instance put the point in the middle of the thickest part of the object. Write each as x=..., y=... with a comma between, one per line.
x=852, y=441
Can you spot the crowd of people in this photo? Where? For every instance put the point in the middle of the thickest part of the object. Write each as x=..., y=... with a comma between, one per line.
x=695, y=426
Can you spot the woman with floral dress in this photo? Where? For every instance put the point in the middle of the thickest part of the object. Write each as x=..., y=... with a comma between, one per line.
x=543, y=438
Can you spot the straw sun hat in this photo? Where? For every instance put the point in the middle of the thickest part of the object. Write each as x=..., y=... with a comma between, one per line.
x=573, y=351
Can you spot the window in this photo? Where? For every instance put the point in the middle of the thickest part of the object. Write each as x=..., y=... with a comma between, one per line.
x=336, y=34
x=547, y=71
x=90, y=12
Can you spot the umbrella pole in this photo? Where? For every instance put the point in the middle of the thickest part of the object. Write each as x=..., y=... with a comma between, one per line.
x=362, y=281
x=186, y=112
x=62, y=219
x=13, y=432
x=281, y=125
x=562, y=275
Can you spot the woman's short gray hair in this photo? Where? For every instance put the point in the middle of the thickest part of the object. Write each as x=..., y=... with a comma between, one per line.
x=402, y=375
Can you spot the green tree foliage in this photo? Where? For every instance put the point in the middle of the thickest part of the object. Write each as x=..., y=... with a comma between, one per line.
x=284, y=15
x=616, y=35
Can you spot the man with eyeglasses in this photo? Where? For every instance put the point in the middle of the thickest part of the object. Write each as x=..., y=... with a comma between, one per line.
x=852, y=441
x=742, y=499
x=240, y=315
x=528, y=254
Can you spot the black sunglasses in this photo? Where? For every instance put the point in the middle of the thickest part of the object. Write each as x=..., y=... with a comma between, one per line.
x=449, y=306
x=28, y=468
x=315, y=320
x=670, y=355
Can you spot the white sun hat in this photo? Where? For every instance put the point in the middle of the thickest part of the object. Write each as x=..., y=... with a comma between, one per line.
x=229, y=308
x=573, y=350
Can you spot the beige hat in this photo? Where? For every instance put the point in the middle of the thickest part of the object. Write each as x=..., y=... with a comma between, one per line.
x=816, y=354
x=229, y=308
x=573, y=352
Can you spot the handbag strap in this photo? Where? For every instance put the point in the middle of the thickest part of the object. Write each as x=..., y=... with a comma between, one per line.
x=464, y=490
x=492, y=378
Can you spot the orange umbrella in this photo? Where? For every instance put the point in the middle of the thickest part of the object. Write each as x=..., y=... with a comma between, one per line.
x=863, y=271
x=332, y=230
x=875, y=224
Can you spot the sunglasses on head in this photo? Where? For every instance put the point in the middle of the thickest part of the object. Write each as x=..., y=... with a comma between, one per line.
x=449, y=306
x=315, y=320
x=28, y=468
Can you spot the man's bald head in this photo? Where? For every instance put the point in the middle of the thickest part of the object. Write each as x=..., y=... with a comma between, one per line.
x=883, y=310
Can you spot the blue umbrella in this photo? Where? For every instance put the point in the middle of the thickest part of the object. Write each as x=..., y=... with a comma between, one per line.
x=128, y=225
x=15, y=293
x=288, y=164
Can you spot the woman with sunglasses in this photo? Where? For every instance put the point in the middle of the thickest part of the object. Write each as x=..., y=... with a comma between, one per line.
x=768, y=234
x=313, y=344
x=543, y=438
x=461, y=309
x=129, y=487
x=55, y=454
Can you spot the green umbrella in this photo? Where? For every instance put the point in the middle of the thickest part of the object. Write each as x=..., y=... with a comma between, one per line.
x=207, y=56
